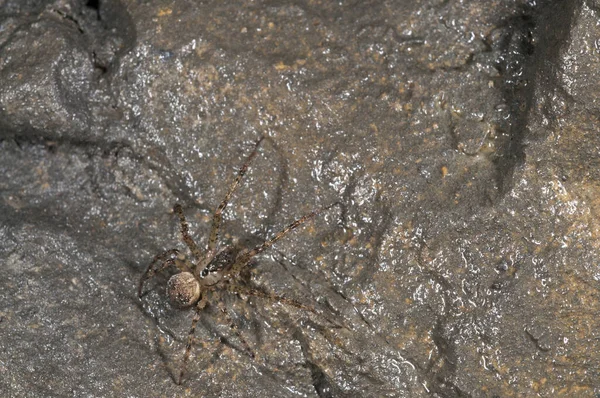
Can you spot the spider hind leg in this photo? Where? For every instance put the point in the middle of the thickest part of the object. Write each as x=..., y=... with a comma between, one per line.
x=234, y=328
x=165, y=259
x=190, y=340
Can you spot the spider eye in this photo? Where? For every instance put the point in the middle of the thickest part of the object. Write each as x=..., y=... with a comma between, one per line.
x=204, y=272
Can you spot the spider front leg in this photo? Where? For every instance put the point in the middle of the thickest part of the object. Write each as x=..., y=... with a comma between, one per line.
x=218, y=216
x=244, y=258
x=165, y=259
x=190, y=340
x=185, y=234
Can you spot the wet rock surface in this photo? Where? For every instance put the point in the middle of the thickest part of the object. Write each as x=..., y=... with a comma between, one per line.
x=459, y=139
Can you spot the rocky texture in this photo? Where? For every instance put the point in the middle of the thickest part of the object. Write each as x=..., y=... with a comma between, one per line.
x=459, y=137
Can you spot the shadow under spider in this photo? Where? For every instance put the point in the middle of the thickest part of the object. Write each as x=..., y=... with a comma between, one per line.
x=214, y=272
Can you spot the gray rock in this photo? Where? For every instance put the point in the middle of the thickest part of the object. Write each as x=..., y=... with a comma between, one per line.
x=459, y=139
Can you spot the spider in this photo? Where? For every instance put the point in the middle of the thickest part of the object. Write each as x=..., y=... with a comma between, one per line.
x=214, y=271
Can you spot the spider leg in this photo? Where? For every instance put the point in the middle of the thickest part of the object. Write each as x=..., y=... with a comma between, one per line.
x=151, y=271
x=239, y=289
x=185, y=234
x=199, y=307
x=217, y=217
x=235, y=329
x=244, y=258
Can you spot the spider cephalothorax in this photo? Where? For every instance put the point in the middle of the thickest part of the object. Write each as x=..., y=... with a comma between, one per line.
x=214, y=271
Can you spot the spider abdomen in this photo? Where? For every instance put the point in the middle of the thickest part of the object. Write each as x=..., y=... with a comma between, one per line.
x=183, y=289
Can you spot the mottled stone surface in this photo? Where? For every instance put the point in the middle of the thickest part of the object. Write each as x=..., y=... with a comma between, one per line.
x=460, y=139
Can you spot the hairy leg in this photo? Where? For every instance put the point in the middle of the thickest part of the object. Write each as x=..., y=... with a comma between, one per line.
x=239, y=289
x=244, y=258
x=234, y=328
x=217, y=217
x=185, y=234
x=190, y=340
x=165, y=258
